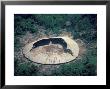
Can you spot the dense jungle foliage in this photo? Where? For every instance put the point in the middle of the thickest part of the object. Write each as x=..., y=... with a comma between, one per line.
x=81, y=26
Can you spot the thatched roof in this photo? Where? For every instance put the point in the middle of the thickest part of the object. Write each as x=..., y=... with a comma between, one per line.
x=52, y=50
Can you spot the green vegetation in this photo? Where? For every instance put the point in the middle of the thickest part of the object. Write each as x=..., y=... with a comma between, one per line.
x=81, y=26
x=24, y=68
x=83, y=67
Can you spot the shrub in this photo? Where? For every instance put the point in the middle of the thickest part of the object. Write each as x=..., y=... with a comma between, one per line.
x=25, y=69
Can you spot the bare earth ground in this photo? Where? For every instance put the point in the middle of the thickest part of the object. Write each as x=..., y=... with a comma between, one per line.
x=45, y=69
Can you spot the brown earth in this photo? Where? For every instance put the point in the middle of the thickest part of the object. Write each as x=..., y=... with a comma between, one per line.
x=46, y=69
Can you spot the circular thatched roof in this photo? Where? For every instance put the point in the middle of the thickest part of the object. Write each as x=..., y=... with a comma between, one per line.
x=52, y=53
